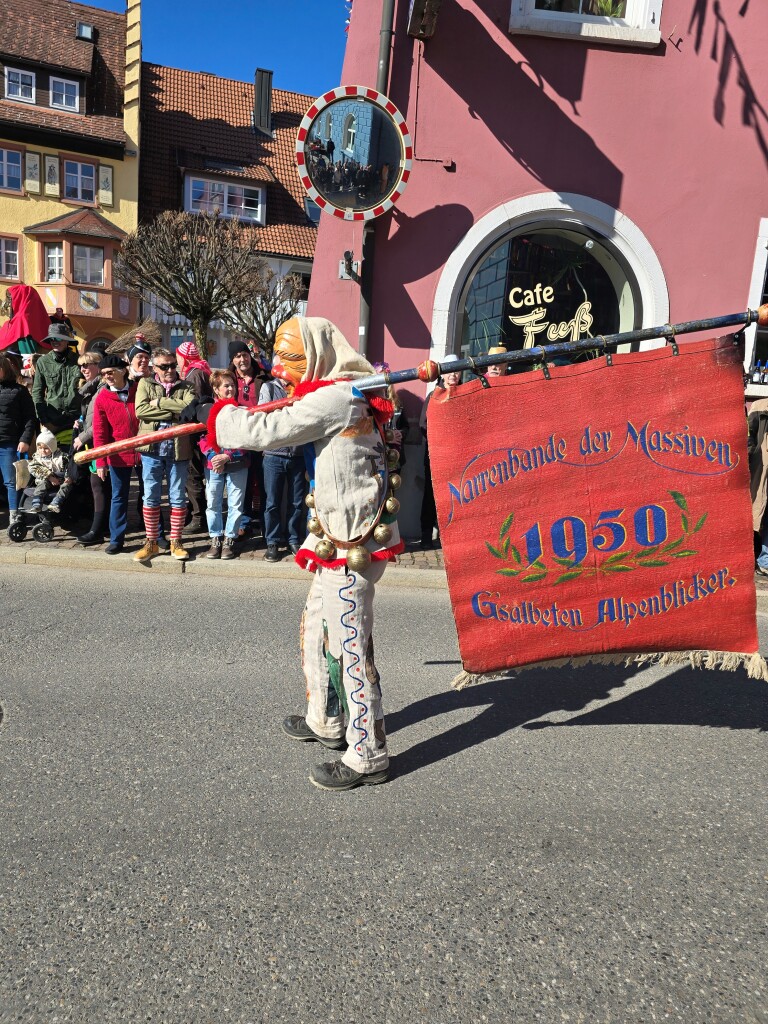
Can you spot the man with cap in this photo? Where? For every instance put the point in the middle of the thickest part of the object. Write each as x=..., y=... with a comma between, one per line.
x=54, y=392
x=497, y=369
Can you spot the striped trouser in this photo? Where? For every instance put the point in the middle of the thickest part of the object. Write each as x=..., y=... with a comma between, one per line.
x=337, y=658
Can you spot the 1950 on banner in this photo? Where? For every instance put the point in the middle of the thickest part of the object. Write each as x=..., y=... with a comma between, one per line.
x=603, y=510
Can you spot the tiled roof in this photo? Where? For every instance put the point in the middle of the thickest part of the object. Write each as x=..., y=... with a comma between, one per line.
x=195, y=120
x=79, y=222
x=92, y=126
x=44, y=33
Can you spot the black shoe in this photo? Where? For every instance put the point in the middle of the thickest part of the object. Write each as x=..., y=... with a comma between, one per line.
x=272, y=554
x=113, y=549
x=92, y=537
x=296, y=727
x=295, y=549
x=336, y=776
x=196, y=524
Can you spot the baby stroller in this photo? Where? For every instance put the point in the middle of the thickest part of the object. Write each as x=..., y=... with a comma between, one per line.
x=28, y=515
x=38, y=520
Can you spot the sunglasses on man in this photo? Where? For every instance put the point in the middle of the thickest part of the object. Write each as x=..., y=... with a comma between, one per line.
x=165, y=366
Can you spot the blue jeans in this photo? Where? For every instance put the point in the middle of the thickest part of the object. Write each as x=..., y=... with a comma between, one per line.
x=7, y=458
x=156, y=467
x=280, y=474
x=118, y=510
x=762, y=558
x=215, y=484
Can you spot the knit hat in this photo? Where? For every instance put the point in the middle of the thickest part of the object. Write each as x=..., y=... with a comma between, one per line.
x=112, y=362
x=48, y=439
x=139, y=348
x=235, y=347
x=497, y=350
x=187, y=350
x=450, y=358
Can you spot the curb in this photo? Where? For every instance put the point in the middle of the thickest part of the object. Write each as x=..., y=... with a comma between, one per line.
x=88, y=561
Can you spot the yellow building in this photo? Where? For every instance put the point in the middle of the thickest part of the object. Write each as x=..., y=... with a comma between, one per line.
x=69, y=157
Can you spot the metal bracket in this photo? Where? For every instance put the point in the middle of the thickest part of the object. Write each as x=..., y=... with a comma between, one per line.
x=473, y=369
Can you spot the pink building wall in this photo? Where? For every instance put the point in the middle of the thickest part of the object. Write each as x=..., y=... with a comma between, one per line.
x=666, y=136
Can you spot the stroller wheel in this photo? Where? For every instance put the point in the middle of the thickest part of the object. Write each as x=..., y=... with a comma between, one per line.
x=43, y=532
x=17, y=532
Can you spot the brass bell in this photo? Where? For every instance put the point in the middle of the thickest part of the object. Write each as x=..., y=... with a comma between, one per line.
x=358, y=558
x=393, y=458
x=315, y=526
x=309, y=501
x=382, y=534
x=392, y=505
x=395, y=480
x=325, y=549
x=389, y=436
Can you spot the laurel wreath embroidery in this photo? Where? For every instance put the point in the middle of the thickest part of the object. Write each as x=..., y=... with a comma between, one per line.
x=656, y=556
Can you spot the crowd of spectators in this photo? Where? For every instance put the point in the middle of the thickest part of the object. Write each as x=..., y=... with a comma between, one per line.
x=59, y=403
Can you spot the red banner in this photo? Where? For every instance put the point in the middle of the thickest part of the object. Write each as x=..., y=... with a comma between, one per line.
x=601, y=511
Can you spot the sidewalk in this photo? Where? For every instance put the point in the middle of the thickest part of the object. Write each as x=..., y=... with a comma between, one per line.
x=415, y=567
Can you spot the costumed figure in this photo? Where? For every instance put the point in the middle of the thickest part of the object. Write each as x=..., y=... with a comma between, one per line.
x=28, y=326
x=352, y=535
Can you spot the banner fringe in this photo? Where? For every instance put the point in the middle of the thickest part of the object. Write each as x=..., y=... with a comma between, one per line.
x=726, y=661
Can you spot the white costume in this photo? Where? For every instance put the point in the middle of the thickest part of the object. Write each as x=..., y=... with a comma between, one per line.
x=350, y=487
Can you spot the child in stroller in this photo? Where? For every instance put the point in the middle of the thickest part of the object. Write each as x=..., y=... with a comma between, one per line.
x=48, y=467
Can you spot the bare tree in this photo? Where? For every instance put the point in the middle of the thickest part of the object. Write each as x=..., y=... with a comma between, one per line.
x=200, y=264
x=271, y=301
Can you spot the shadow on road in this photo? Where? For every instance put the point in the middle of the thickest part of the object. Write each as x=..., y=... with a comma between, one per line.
x=687, y=697
x=719, y=700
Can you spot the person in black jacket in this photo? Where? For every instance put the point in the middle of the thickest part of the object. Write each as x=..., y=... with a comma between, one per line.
x=17, y=426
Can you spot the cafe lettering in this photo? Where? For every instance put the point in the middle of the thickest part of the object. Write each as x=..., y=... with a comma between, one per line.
x=536, y=322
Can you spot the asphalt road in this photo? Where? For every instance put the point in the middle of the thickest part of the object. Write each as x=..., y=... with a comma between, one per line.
x=572, y=845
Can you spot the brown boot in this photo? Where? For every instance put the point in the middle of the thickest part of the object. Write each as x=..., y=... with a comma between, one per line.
x=178, y=550
x=228, y=550
x=215, y=549
x=147, y=553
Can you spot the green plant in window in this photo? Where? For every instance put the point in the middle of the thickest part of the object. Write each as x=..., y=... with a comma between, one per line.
x=609, y=8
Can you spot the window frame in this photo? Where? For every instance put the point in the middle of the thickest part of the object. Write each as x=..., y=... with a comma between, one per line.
x=46, y=247
x=63, y=106
x=639, y=27
x=20, y=71
x=63, y=178
x=88, y=249
x=191, y=179
x=4, y=239
x=7, y=188
x=349, y=134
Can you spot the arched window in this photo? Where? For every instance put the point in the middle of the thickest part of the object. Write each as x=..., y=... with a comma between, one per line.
x=551, y=282
x=350, y=130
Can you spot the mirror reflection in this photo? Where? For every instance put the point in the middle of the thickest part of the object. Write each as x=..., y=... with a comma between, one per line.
x=354, y=154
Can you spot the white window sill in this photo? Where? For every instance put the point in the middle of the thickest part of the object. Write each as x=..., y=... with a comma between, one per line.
x=588, y=29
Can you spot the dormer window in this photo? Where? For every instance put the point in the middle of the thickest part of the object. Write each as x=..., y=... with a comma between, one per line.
x=20, y=85
x=85, y=31
x=205, y=195
x=65, y=94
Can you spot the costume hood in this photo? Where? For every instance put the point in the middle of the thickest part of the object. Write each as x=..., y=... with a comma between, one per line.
x=329, y=354
x=29, y=319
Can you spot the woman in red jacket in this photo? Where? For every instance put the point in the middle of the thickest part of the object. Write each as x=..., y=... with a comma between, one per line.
x=114, y=419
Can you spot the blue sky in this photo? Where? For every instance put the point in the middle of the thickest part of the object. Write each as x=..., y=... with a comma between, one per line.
x=302, y=41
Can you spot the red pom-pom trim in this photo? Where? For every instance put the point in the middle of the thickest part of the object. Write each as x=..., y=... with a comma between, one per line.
x=211, y=423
